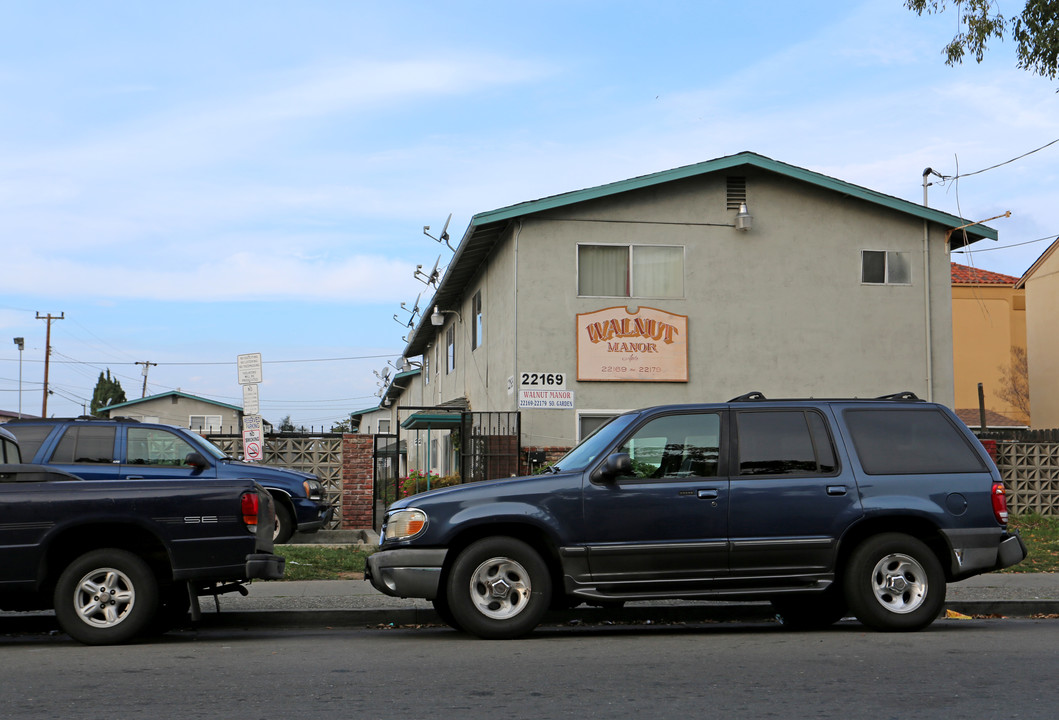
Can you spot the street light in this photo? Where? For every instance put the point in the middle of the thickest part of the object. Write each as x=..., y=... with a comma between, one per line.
x=21, y=342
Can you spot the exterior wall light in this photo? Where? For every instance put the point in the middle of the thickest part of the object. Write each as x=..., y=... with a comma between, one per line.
x=743, y=219
x=437, y=318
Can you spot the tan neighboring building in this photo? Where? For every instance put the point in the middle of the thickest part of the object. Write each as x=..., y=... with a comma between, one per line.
x=181, y=409
x=988, y=328
x=1041, y=285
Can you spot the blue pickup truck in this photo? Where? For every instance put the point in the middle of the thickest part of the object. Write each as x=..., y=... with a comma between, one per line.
x=118, y=559
x=823, y=507
x=126, y=449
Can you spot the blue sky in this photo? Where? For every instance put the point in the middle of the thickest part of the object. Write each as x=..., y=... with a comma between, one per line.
x=191, y=181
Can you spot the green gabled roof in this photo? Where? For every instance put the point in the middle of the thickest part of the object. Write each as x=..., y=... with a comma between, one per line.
x=169, y=394
x=486, y=228
x=725, y=163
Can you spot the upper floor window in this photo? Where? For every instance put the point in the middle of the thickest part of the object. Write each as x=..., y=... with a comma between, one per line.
x=630, y=270
x=450, y=349
x=384, y=427
x=476, y=324
x=880, y=267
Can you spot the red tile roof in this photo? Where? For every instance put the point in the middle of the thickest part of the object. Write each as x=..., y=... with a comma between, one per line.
x=966, y=275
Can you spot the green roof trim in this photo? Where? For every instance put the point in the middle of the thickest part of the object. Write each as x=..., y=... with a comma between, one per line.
x=726, y=163
x=171, y=393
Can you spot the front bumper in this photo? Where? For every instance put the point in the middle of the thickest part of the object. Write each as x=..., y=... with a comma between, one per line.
x=319, y=518
x=406, y=572
x=264, y=566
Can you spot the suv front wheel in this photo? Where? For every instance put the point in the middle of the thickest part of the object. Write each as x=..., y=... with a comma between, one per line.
x=499, y=588
x=895, y=582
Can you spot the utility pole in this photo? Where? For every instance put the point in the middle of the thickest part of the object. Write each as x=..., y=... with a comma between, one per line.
x=146, y=367
x=47, y=355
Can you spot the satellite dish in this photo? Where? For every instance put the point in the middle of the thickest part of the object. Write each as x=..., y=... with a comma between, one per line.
x=430, y=279
x=444, y=236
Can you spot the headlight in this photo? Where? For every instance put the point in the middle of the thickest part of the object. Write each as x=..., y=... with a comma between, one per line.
x=313, y=489
x=405, y=524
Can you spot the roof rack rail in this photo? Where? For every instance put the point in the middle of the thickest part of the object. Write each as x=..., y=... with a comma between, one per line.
x=748, y=397
x=906, y=395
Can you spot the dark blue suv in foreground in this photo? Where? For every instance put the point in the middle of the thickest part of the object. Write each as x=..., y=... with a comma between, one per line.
x=122, y=448
x=823, y=507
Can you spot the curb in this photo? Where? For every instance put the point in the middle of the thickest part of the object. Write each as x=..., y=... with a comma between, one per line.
x=665, y=614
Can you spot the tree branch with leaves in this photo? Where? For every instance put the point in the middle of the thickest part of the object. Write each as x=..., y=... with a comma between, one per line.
x=1035, y=31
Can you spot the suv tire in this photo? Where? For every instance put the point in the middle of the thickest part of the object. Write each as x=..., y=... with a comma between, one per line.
x=499, y=588
x=895, y=582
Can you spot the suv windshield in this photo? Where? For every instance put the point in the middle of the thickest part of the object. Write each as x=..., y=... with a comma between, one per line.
x=207, y=447
x=589, y=449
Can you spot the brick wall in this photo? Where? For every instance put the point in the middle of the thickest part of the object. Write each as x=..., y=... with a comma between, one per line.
x=357, y=481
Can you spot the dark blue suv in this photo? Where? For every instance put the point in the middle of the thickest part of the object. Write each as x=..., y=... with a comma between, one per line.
x=100, y=449
x=822, y=506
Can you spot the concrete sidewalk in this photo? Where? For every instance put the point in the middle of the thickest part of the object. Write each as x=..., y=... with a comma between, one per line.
x=356, y=603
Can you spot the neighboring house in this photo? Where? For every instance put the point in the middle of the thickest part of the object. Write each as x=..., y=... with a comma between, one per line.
x=691, y=285
x=988, y=333
x=177, y=408
x=1041, y=284
x=6, y=415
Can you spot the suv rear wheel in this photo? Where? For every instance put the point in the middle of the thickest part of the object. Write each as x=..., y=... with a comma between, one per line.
x=895, y=582
x=499, y=588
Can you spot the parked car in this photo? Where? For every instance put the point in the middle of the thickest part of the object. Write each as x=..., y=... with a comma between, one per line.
x=118, y=559
x=123, y=448
x=822, y=506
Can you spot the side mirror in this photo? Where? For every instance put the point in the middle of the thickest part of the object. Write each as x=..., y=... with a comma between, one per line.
x=196, y=460
x=614, y=466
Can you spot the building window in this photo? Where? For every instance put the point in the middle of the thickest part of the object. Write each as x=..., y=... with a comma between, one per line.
x=205, y=423
x=476, y=325
x=630, y=271
x=426, y=367
x=450, y=349
x=384, y=427
x=878, y=267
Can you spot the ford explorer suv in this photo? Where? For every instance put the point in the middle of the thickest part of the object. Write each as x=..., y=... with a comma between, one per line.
x=122, y=448
x=823, y=507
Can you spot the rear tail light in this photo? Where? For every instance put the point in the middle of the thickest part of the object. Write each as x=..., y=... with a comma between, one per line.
x=1000, y=504
x=250, y=506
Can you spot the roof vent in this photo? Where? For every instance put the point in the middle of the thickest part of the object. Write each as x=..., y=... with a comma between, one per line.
x=736, y=192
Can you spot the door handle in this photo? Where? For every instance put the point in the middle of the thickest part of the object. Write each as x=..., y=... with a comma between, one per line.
x=134, y=477
x=708, y=494
x=836, y=490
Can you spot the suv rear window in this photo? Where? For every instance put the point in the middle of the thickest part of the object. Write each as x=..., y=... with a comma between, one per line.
x=892, y=442
x=30, y=438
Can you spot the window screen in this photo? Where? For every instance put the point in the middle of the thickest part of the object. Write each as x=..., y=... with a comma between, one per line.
x=903, y=441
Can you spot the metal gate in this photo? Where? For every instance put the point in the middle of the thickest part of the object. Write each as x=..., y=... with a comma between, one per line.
x=386, y=461
x=490, y=445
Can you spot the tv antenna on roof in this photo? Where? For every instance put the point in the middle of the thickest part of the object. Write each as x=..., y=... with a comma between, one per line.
x=444, y=237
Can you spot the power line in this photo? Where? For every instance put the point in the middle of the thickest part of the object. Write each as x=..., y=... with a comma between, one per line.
x=1005, y=247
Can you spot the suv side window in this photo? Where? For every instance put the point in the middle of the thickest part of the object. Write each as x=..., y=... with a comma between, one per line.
x=784, y=442
x=676, y=446
x=86, y=444
x=906, y=441
x=150, y=446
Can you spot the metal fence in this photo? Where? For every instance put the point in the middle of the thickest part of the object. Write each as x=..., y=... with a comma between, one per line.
x=319, y=454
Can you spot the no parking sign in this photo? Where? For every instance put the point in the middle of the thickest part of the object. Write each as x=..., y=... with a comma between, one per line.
x=253, y=438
